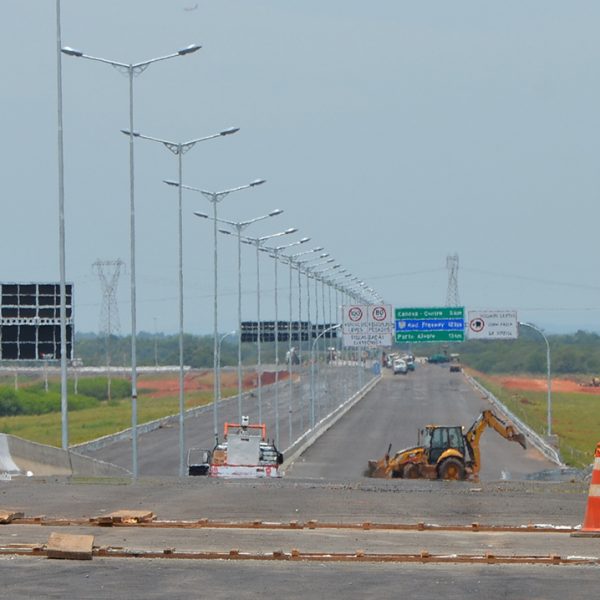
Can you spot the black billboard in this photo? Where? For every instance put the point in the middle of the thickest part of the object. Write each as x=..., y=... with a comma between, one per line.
x=30, y=321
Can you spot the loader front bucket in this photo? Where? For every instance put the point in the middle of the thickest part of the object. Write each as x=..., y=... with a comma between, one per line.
x=377, y=468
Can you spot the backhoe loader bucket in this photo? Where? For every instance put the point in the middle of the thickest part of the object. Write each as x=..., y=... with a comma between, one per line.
x=519, y=438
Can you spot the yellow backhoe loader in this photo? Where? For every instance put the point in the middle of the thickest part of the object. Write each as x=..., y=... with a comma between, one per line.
x=444, y=452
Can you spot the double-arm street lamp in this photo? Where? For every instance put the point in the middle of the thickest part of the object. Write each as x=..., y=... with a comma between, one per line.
x=239, y=226
x=132, y=70
x=548, y=374
x=214, y=198
x=311, y=272
x=179, y=149
x=318, y=275
x=258, y=242
x=295, y=263
x=292, y=260
x=274, y=252
x=312, y=373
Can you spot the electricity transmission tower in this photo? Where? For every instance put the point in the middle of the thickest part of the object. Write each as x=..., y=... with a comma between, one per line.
x=108, y=272
x=452, y=297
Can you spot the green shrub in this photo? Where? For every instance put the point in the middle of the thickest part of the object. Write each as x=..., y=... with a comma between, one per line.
x=97, y=387
x=9, y=404
x=93, y=387
x=33, y=401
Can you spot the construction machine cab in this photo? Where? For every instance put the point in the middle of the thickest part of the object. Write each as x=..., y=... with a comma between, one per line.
x=436, y=440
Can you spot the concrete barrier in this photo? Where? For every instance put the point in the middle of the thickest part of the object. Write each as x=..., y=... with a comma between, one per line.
x=305, y=441
x=40, y=459
x=7, y=465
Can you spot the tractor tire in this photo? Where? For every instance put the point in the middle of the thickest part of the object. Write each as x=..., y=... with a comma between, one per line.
x=410, y=471
x=451, y=468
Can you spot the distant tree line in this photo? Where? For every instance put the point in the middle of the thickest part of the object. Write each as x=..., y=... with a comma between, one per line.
x=577, y=353
x=160, y=349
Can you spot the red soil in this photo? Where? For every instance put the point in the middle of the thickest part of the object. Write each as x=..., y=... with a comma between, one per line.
x=168, y=385
x=539, y=384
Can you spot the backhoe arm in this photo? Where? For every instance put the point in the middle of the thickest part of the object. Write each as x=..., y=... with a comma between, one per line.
x=488, y=419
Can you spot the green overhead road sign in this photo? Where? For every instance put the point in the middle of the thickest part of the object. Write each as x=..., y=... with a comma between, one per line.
x=429, y=324
x=417, y=337
x=445, y=312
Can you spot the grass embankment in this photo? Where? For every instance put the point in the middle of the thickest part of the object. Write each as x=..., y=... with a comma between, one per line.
x=575, y=418
x=103, y=418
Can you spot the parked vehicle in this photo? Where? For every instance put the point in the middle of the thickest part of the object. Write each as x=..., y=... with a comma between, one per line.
x=400, y=367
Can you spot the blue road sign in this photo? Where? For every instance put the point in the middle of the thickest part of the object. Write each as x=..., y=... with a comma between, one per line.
x=429, y=325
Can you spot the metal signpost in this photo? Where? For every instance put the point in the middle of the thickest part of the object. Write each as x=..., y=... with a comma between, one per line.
x=417, y=325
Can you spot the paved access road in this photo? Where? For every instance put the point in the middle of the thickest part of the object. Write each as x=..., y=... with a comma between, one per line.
x=289, y=406
x=394, y=412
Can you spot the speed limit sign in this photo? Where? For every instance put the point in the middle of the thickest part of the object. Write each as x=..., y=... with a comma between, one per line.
x=379, y=313
x=355, y=314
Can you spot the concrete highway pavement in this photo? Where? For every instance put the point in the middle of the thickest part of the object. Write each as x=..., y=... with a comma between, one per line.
x=393, y=413
x=24, y=578
x=376, y=501
x=158, y=450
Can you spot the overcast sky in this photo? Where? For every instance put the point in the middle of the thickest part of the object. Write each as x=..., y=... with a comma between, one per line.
x=393, y=133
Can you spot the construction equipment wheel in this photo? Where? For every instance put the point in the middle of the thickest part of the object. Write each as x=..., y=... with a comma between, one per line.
x=410, y=471
x=451, y=468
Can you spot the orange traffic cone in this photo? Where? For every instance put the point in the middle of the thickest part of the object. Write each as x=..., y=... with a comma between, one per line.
x=591, y=522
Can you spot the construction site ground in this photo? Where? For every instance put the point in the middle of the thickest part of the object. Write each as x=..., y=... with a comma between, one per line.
x=327, y=530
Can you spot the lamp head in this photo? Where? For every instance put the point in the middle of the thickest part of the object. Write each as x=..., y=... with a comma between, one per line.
x=189, y=49
x=71, y=51
x=229, y=131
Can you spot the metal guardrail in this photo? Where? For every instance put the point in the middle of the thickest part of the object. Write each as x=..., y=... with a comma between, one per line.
x=534, y=438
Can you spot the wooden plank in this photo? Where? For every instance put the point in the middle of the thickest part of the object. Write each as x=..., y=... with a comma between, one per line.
x=7, y=516
x=68, y=546
x=131, y=516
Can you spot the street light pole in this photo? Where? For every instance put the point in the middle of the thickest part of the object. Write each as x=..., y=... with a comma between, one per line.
x=214, y=198
x=219, y=362
x=64, y=406
x=179, y=149
x=312, y=374
x=549, y=377
x=239, y=226
x=132, y=69
x=295, y=263
x=258, y=243
x=274, y=252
